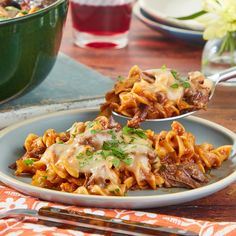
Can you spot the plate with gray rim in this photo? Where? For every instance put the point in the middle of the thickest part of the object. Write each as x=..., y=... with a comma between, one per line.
x=11, y=146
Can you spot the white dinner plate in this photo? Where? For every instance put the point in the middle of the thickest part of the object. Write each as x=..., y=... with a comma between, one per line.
x=170, y=31
x=11, y=146
x=167, y=12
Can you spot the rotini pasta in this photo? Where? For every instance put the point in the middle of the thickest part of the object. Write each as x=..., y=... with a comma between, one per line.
x=102, y=158
x=157, y=94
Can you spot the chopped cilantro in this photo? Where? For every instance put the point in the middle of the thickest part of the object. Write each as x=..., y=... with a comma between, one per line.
x=112, y=145
x=132, y=140
x=120, y=78
x=85, y=161
x=24, y=12
x=28, y=162
x=186, y=84
x=90, y=124
x=112, y=133
x=174, y=73
x=105, y=153
x=83, y=164
x=118, y=152
x=89, y=153
x=107, y=145
x=174, y=86
x=115, y=162
x=60, y=142
x=116, y=190
x=128, y=161
x=128, y=130
x=163, y=67
x=95, y=131
x=80, y=156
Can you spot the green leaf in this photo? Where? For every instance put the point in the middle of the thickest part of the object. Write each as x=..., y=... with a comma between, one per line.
x=192, y=16
x=28, y=162
x=174, y=86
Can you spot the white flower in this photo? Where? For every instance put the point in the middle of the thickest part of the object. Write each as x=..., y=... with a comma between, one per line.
x=221, y=18
x=11, y=204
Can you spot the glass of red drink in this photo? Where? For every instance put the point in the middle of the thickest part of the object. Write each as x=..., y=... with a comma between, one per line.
x=101, y=23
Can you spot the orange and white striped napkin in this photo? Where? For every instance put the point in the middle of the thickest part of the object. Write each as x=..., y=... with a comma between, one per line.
x=10, y=199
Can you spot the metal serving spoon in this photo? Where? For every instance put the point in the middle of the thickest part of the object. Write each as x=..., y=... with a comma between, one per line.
x=222, y=76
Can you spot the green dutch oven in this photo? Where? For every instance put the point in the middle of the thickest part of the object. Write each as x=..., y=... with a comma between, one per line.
x=28, y=49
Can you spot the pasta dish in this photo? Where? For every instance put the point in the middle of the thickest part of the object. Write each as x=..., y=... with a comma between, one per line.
x=12, y=9
x=157, y=94
x=101, y=157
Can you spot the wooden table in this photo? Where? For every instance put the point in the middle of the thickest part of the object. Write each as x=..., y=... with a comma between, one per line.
x=149, y=49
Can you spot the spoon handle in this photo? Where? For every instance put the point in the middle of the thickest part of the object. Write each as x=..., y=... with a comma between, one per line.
x=226, y=75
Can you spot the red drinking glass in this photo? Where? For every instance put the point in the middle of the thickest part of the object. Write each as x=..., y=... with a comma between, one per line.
x=101, y=23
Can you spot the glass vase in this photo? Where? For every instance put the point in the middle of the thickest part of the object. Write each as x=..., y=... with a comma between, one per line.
x=219, y=54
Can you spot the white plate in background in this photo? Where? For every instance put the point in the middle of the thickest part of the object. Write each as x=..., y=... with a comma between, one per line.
x=170, y=31
x=166, y=12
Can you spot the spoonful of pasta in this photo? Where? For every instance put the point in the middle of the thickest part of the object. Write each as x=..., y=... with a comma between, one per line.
x=161, y=94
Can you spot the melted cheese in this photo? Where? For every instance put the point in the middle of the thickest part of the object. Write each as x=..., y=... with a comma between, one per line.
x=163, y=81
x=64, y=157
x=66, y=154
x=140, y=166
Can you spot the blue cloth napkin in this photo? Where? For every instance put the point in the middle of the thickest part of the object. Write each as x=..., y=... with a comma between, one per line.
x=68, y=81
